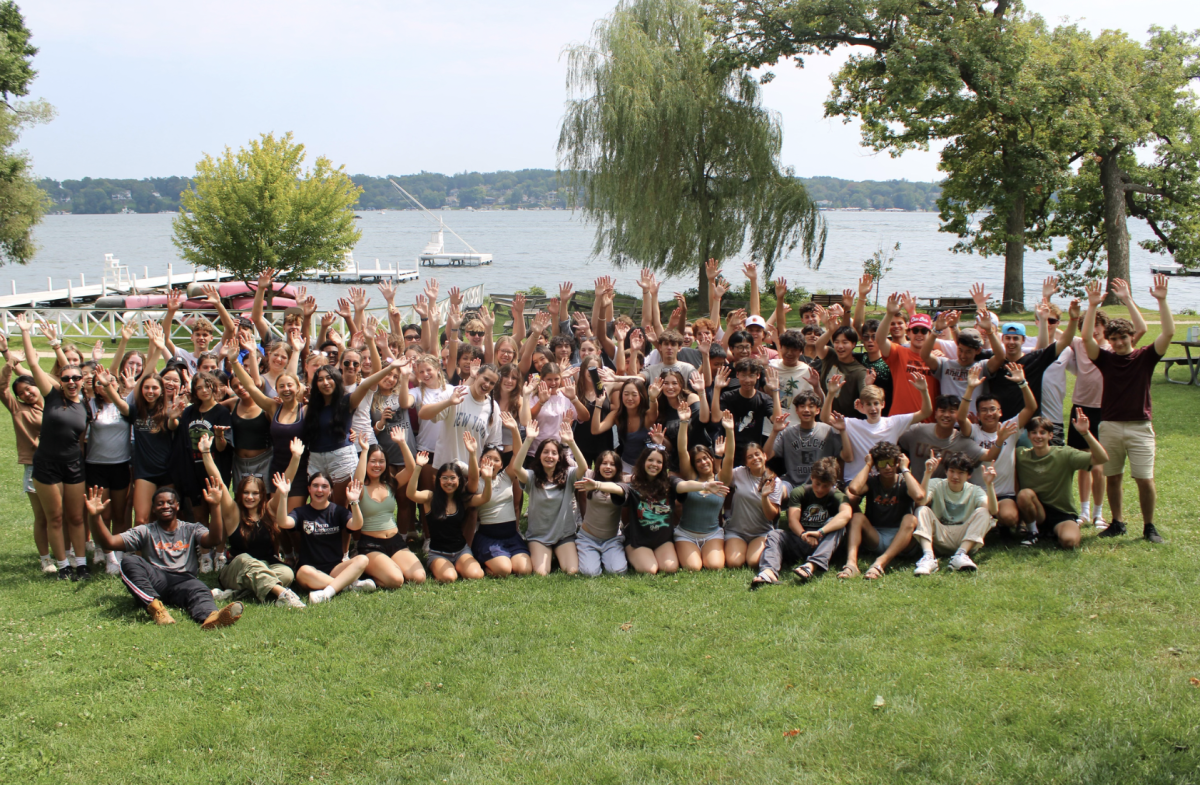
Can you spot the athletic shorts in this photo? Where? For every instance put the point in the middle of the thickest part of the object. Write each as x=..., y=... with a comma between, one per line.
x=113, y=476
x=1075, y=438
x=1055, y=516
x=49, y=471
x=388, y=546
x=888, y=536
x=1133, y=439
x=683, y=535
x=450, y=557
x=27, y=482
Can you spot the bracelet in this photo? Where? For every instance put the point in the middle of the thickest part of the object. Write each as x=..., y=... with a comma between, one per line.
x=1022, y=384
x=55, y=344
x=352, y=504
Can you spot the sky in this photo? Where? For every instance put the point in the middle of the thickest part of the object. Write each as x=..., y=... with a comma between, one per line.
x=145, y=89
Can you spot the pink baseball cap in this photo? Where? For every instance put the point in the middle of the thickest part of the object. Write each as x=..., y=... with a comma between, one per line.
x=920, y=320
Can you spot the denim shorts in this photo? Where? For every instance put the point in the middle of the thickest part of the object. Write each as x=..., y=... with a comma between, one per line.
x=450, y=557
x=683, y=535
x=338, y=465
x=28, y=481
x=888, y=536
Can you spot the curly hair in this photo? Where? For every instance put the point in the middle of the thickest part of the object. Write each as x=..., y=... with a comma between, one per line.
x=884, y=451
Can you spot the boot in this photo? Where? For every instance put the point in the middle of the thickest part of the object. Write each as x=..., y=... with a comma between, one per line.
x=159, y=613
x=224, y=617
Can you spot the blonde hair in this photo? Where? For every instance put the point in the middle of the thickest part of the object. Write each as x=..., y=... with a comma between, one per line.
x=872, y=393
x=436, y=364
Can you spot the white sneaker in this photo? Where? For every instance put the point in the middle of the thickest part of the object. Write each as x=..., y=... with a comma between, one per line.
x=219, y=563
x=90, y=545
x=112, y=565
x=320, y=595
x=289, y=599
x=928, y=565
x=205, y=563
x=70, y=554
x=364, y=584
x=1100, y=523
x=222, y=595
x=961, y=561
x=48, y=566
x=99, y=556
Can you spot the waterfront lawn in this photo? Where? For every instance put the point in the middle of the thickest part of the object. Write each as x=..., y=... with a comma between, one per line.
x=1045, y=666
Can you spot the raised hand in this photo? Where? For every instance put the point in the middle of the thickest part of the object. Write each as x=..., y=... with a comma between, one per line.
x=779, y=422
x=909, y=302
x=684, y=411
x=532, y=430
x=97, y=351
x=870, y=378
x=459, y=394
x=719, y=447
x=979, y=294
x=931, y=465
x=1073, y=310
x=656, y=388
x=204, y=443
x=388, y=290
x=1095, y=293
x=771, y=384
x=281, y=483
x=637, y=340
x=865, y=285
x=343, y=309
x=96, y=503
x=565, y=434
x=658, y=435
x=696, y=381
x=835, y=383
x=354, y=491
x=712, y=270
x=727, y=420
x=1159, y=290
x=1007, y=431
x=175, y=298
x=507, y=420
x=721, y=380
x=543, y=391
x=893, y=304
x=456, y=297
x=296, y=446
x=1081, y=421
x=918, y=380
x=1049, y=287
x=397, y=434
x=848, y=299
x=975, y=377
x=750, y=270
x=1120, y=289
x=308, y=305
x=470, y=442
x=989, y=475
x=422, y=459
x=568, y=389
x=212, y=491
x=1016, y=372
x=211, y=293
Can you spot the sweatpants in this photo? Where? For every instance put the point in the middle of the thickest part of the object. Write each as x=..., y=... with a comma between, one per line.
x=594, y=554
x=248, y=575
x=948, y=539
x=784, y=546
x=148, y=583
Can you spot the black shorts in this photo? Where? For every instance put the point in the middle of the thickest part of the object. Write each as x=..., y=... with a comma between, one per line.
x=1055, y=516
x=159, y=482
x=388, y=546
x=113, y=476
x=1075, y=438
x=49, y=471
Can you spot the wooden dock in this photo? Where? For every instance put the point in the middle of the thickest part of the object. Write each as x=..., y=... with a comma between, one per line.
x=126, y=284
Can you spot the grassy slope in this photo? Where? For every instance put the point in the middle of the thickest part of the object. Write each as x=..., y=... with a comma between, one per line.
x=1045, y=665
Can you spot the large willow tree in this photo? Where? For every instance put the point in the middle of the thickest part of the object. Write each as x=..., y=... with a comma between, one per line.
x=670, y=151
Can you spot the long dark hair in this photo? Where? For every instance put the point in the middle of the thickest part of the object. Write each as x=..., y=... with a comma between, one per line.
x=651, y=487
x=514, y=399
x=316, y=405
x=642, y=409
x=560, y=469
x=155, y=412
x=437, y=506
x=262, y=501
x=386, y=478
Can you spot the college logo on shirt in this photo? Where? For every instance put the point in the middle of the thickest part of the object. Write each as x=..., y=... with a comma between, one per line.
x=320, y=527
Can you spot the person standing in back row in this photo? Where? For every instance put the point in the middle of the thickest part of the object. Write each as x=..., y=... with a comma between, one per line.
x=1126, y=429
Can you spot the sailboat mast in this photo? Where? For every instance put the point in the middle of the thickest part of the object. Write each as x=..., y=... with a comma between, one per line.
x=441, y=223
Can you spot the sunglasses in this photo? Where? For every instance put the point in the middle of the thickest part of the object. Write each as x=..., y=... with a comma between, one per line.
x=412, y=337
x=349, y=364
x=1052, y=320
x=919, y=330
x=475, y=333
x=72, y=378
x=884, y=463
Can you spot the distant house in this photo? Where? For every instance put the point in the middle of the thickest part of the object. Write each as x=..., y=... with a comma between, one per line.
x=122, y=196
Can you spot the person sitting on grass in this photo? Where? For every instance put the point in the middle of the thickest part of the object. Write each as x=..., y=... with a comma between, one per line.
x=550, y=523
x=601, y=495
x=650, y=496
x=750, y=407
x=818, y=514
x=757, y=497
x=445, y=509
x=954, y=514
x=699, y=538
x=1047, y=499
x=888, y=519
x=162, y=557
x=321, y=523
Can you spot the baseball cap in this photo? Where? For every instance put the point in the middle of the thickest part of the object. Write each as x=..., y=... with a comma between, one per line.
x=1012, y=328
x=920, y=320
x=971, y=338
x=756, y=321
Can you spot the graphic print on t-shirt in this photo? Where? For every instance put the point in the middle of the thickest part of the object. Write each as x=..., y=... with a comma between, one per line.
x=654, y=515
x=814, y=516
x=319, y=528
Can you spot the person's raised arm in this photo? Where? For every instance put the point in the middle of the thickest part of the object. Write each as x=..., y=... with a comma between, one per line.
x=1095, y=293
x=1159, y=292
x=989, y=484
x=108, y=387
x=865, y=285
x=1081, y=424
x=1016, y=375
x=96, y=504
x=750, y=270
x=781, y=304
x=531, y=433
x=213, y=295
x=858, y=486
x=718, y=386
x=175, y=298
x=353, y=496
x=368, y=384
x=835, y=382
x=256, y=309
x=930, y=344
x=882, y=335
x=213, y=491
x=930, y=467
x=567, y=437
x=772, y=388
x=911, y=485
x=42, y=379
x=420, y=461
x=918, y=381
x=1123, y=293
x=228, y=508
x=974, y=379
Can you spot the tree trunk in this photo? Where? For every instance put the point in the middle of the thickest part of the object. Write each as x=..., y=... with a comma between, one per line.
x=1116, y=230
x=703, y=277
x=1014, y=258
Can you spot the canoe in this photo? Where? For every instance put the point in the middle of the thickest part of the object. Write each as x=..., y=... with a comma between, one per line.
x=238, y=289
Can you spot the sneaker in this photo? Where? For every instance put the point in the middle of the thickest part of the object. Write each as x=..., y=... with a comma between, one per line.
x=364, y=584
x=159, y=613
x=1027, y=538
x=1100, y=523
x=1114, y=529
x=112, y=566
x=48, y=567
x=961, y=561
x=82, y=573
x=1150, y=533
x=219, y=562
x=66, y=573
x=222, y=595
x=99, y=556
x=224, y=617
x=318, y=596
x=206, y=565
x=289, y=599
x=928, y=565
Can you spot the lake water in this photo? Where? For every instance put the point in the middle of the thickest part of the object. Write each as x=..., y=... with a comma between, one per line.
x=545, y=247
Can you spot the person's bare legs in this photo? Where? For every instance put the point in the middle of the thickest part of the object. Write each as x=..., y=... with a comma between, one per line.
x=341, y=576
x=72, y=516
x=1147, y=498
x=40, y=538
x=51, y=497
x=1116, y=496
x=568, y=558
x=735, y=552
x=667, y=558
x=689, y=556
x=900, y=543
x=754, y=551
x=860, y=529
x=542, y=557
x=385, y=572
x=713, y=554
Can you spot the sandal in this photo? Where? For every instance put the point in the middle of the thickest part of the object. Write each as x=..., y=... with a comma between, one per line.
x=849, y=571
x=804, y=572
x=874, y=573
x=764, y=578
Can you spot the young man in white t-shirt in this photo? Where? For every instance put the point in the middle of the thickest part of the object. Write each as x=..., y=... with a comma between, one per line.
x=795, y=376
x=859, y=436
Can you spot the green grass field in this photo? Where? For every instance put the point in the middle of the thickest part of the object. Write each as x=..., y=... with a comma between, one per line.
x=1043, y=667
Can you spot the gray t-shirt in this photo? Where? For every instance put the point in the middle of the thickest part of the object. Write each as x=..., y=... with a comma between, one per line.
x=108, y=440
x=801, y=448
x=602, y=518
x=551, y=512
x=746, y=515
x=177, y=551
x=921, y=441
x=651, y=372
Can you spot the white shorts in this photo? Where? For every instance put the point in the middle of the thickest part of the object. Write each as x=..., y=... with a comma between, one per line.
x=338, y=465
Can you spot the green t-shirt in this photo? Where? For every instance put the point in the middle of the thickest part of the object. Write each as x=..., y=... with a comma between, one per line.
x=953, y=508
x=816, y=511
x=1052, y=476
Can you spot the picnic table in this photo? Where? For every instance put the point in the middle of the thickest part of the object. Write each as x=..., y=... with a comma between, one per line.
x=1193, y=363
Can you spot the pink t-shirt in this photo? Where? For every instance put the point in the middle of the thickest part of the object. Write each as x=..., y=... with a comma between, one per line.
x=1089, y=382
x=556, y=410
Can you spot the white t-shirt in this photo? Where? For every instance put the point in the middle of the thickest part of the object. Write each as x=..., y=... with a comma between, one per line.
x=1054, y=387
x=952, y=377
x=792, y=382
x=1006, y=463
x=428, y=431
x=470, y=415
x=187, y=357
x=863, y=436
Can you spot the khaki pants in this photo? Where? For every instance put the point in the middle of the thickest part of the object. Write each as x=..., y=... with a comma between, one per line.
x=948, y=539
x=247, y=575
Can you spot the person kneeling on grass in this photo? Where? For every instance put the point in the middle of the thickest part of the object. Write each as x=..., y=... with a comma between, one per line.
x=817, y=517
x=445, y=509
x=954, y=514
x=887, y=522
x=321, y=522
x=1047, y=498
x=162, y=557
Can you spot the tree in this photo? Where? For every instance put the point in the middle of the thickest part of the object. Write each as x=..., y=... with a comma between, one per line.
x=22, y=201
x=670, y=152
x=923, y=71
x=879, y=264
x=259, y=209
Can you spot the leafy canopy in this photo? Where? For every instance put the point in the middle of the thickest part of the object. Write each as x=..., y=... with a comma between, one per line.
x=258, y=209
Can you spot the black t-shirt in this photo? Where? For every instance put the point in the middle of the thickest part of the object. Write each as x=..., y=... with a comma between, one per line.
x=697, y=431
x=816, y=511
x=193, y=424
x=258, y=543
x=883, y=377
x=749, y=414
x=652, y=520
x=1012, y=400
x=885, y=508
x=320, y=534
x=153, y=447
x=327, y=440
x=592, y=444
x=63, y=422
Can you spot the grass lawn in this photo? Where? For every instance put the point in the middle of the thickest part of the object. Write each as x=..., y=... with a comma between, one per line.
x=1042, y=667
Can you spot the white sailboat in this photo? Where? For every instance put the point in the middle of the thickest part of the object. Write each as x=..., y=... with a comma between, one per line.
x=435, y=253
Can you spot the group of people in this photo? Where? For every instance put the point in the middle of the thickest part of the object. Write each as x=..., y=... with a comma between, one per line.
x=350, y=453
